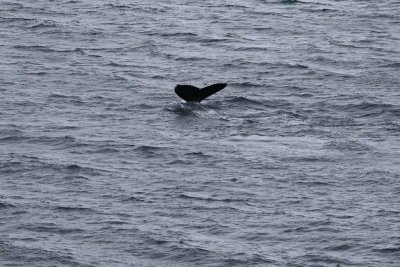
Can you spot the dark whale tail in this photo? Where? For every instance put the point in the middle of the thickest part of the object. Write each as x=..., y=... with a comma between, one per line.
x=191, y=93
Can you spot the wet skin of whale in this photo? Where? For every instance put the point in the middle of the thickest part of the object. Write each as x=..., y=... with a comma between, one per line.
x=191, y=93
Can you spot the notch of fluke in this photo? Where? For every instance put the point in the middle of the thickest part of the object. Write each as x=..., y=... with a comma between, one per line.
x=191, y=93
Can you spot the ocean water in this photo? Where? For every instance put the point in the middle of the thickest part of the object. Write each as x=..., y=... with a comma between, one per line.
x=295, y=163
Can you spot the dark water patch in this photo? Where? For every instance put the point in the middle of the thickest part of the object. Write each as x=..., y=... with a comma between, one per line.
x=244, y=101
x=385, y=213
x=16, y=19
x=290, y=1
x=197, y=155
x=38, y=73
x=5, y=205
x=76, y=178
x=388, y=250
x=310, y=158
x=209, y=198
x=76, y=168
x=152, y=151
x=74, y=209
x=324, y=259
x=46, y=49
x=17, y=255
x=11, y=135
x=296, y=66
x=190, y=58
x=392, y=65
x=135, y=199
x=235, y=64
x=49, y=228
x=118, y=6
x=180, y=162
x=44, y=25
x=348, y=145
x=116, y=64
x=304, y=95
x=392, y=127
x=145, y=106
x=13, y=4
x=210, y=40
x=146, y=148
x=246, y=84
x=183, y=253
x=106, y=150
x=251, y=138
x=249, y=48
x=115, y=222
x=333, y=121
x=24, y=164
x=64, y=141
x=179, y=34
x=248, y=260
x=63, y=127
x=315, y=183
x=324, y=10
x=368, y=109
x=62, y=97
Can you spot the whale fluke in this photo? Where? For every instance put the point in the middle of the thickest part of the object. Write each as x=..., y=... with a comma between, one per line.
x=191, y=93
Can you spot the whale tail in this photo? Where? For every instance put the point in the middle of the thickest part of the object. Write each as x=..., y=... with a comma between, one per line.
x=191, y=93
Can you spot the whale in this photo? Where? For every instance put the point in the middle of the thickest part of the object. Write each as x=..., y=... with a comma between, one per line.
x=191, y=93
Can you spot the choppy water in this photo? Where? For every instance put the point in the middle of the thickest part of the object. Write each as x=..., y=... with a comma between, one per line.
x=295, y=163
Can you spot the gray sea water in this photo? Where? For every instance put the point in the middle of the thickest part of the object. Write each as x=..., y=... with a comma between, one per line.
x=295, y=163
